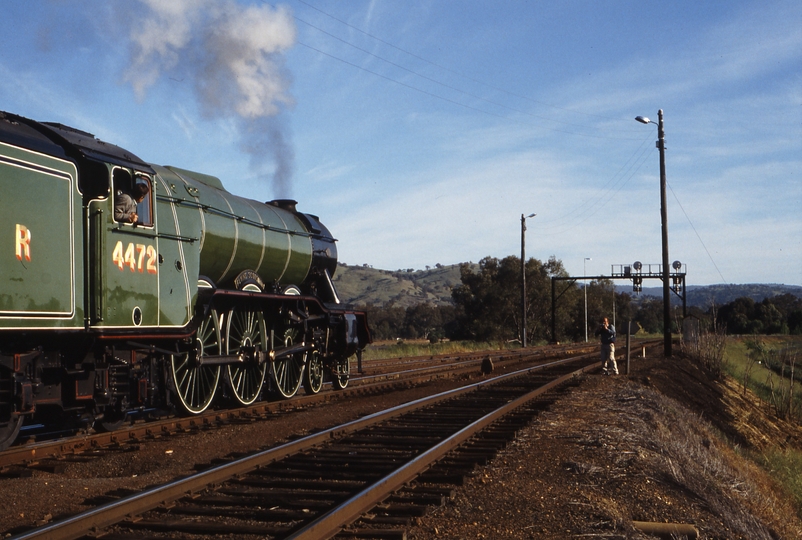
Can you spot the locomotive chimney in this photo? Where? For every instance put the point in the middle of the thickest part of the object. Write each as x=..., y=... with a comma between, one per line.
x=284, y=204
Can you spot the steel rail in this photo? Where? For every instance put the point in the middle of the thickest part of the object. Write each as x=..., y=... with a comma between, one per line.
x=113, y=512
x=331, y=523
x=31, y=453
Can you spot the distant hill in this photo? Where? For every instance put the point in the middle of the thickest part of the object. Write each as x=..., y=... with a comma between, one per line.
x=360, y=285
x=708, y=295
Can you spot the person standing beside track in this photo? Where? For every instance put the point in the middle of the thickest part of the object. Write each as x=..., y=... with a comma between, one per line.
x=606, y=333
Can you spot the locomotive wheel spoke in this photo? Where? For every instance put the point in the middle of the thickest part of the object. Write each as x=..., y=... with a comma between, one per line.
x=9, y=429
x=10, y=422
x=342, y=373
x=245, y=331
x=112, y=420
x=313, y=376
x=195, y=385
x=287, y=371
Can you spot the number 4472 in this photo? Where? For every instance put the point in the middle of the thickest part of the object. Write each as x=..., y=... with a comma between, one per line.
x=134, y=256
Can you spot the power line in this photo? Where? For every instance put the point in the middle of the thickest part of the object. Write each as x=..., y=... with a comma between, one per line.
x=454, y=102
x=697, y=234
x=619, y=180
x=449, y=70
x=435, y=81
x=606, y=198
x=399, y=82
x=607, y=189
x=602, y=201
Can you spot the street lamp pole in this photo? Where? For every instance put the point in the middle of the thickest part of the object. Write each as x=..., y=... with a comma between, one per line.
x=523, y=278
x=585, y=288
x=661, y=146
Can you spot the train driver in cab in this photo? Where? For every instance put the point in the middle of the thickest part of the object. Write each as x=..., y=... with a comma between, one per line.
x=125, y=204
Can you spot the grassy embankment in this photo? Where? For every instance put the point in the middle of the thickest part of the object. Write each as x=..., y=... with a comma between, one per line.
x=749, y=360
x=405, y=348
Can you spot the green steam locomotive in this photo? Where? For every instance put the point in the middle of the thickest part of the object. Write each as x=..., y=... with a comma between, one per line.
x=128, y=288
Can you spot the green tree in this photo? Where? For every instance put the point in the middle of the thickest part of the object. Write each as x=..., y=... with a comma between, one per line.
x=486, y=299
x=386, y=322
x=421, y=320
x=650, y=315
x=566, y=295
x=771, y=320
x=737, y=317
x=776, y=315
x=795, y=322
x=787, y=303
x=489, y=300
x=601, y=302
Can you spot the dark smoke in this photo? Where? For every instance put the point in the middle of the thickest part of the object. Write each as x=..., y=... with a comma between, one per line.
x=233, y=56
x=265, y=140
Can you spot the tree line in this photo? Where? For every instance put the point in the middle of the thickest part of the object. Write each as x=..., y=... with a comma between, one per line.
x=487, y=307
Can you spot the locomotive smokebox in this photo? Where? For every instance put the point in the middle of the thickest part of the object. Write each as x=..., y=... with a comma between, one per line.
x=324, y=249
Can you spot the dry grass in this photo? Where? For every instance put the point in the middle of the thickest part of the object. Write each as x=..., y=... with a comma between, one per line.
x=708, y=348
x=749, y=361
x=685, y=451
x=405, y=348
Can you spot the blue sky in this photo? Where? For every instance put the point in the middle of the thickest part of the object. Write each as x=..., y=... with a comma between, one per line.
x=420, y=131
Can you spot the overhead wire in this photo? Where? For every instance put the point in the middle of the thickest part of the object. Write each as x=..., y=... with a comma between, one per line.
x=454, y=102
x=449, y=70
x=606, y=189
x=710, y=256
x=401, y=83
x=440, y=83
x=599, y=202
x=583, y=132
x=612, y=187
x=596, y=203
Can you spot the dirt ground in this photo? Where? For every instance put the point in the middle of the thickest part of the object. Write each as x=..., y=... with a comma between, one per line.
x=663, y=444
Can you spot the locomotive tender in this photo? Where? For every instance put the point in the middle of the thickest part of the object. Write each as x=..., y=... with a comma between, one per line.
x=205, y=296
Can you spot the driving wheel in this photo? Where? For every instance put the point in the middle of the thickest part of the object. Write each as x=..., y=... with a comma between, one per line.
x=196, y=384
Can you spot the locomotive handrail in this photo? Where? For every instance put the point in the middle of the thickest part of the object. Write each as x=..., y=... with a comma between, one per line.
x=241, y=219
x=135, y=232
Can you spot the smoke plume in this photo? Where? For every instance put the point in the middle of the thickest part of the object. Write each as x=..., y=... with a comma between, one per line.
x=233, y=57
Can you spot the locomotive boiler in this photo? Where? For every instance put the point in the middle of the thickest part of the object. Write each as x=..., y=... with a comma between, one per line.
x=128, y=288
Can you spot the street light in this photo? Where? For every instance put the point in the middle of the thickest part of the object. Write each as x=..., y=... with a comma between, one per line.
x=661, y=145
x=523, y=278
x=585, y=288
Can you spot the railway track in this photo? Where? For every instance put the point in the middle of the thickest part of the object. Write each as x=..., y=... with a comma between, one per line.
x=377, y=377
x=370, y=475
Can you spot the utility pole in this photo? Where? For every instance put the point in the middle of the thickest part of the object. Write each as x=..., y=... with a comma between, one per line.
x=661, y=146
x=523, y=278
x=585, y=289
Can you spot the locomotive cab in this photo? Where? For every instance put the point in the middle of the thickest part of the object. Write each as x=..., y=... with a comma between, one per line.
x=126, y=254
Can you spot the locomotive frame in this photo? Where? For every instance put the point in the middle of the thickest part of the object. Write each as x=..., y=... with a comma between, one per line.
x=206, y=297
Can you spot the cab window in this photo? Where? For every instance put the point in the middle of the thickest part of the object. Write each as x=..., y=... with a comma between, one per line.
x=132, y=198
